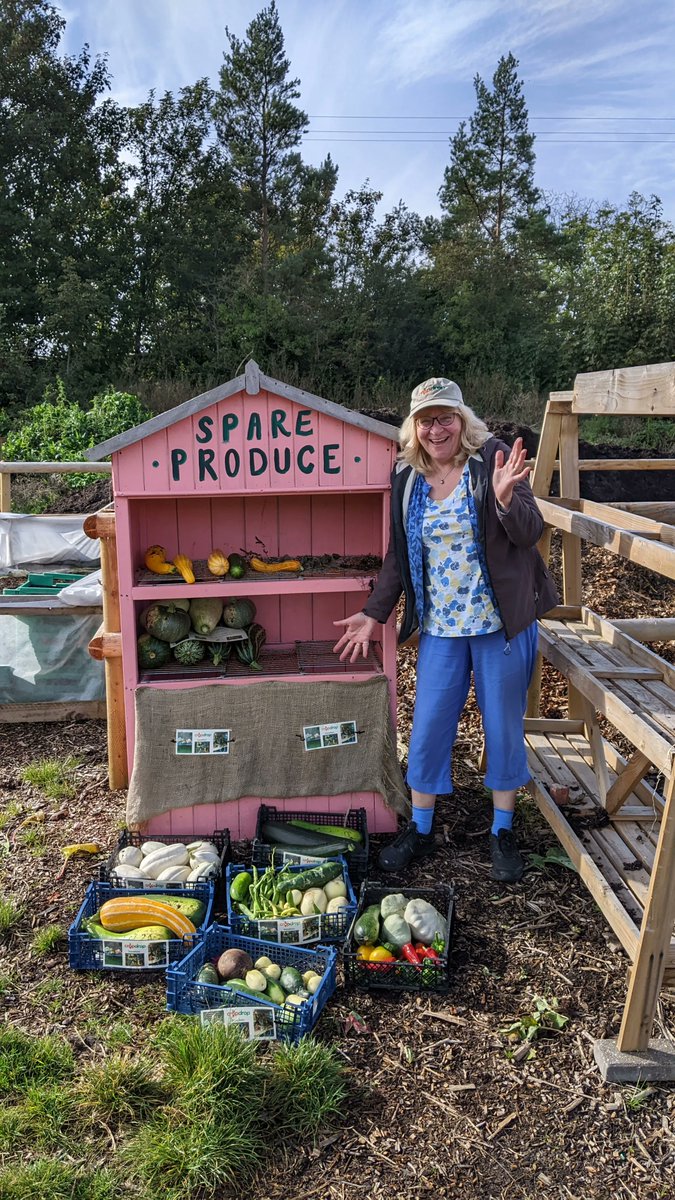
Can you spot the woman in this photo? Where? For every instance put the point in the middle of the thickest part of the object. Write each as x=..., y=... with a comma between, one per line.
x=464, y=529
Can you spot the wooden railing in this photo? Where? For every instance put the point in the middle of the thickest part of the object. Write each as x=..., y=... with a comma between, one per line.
x=7, y=469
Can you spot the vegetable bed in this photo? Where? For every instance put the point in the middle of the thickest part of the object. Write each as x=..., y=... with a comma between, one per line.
x=262, y=904
x=301, y=844
x=186, y=993
x=120, y=952
x=383, y=951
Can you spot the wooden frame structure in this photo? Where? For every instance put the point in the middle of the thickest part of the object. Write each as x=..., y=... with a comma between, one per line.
x=618, y=829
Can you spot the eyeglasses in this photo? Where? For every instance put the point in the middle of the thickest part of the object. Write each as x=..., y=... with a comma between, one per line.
x=444, y=422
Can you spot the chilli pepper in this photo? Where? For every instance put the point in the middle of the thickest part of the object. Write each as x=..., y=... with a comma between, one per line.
x=426, y=951
x=409, y=952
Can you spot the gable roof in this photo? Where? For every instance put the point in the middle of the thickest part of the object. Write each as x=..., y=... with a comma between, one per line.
x=252, y=382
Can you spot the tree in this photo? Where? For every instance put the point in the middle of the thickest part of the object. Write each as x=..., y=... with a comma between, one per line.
x=489, y=184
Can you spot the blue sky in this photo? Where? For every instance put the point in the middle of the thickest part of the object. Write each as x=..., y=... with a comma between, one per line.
x=386, y=81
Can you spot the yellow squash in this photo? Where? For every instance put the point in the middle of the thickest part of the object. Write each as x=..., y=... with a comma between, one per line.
x=128, y=912
x=184, y=564
x=155, y=561
x=218, y=563
x=271, y=568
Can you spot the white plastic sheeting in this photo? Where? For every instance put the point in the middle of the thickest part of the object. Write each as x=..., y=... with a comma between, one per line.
x=87, y=590
x=26, y=538
x=44, y=657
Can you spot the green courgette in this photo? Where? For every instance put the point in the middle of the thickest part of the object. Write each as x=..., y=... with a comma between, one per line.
x=237, y=566
x=367, y=927
x=318, y=849
x=337, y=831
x=314, y=877
x=239, y=985
x=281, y=833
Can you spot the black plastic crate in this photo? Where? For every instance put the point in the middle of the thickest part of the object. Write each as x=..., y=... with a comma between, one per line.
x=401, y=976
x=355, y=819
x=290, y=1022
x=87, y=953
x=293, y=931
x=220, y=839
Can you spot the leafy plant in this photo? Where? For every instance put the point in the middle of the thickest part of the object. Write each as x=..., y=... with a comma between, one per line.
x=52, y=1180
x=555, y=857
x=53, y=776
x=9, y=813
x=10, y=913
x=47, y=939
x=544, y=1018
x=637, y=1096
x=35, y=841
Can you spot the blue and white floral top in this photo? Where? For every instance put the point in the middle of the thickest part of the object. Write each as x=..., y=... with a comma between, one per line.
x=458, y=600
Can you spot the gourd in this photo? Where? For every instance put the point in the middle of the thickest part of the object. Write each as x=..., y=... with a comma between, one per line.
x=219, y=652
x=174, y=875
x=248, y=651
x=155, y=561
x=425, y=922
x=174, y=855
x=189, y=653
x=393, y=904
x=217, y=563
x=189, y=906
x=152, y=652
x=271, y=568
x=367, y=928
x=126, y=873
x=183, y=564
x=205, y=613
x=395, y=930
x=124, y=913
x=167, y=623
x=238, y=613
x=131, y=856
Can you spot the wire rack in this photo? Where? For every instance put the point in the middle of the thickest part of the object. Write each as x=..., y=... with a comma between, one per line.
x=296, y=658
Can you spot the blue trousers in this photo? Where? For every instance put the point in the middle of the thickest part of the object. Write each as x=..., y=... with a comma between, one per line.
x=501, y=672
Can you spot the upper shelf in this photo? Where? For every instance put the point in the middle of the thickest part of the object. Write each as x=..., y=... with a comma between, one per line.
x=334, y=573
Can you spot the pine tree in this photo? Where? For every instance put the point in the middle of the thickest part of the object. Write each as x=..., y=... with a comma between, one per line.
x=489, y=184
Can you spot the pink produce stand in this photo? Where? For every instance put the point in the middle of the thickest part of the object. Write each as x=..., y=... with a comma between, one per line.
x=261, y=466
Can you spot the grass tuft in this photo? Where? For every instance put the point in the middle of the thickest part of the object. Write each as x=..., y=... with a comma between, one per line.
x=10, y=914
x=51, y=1180
x=46, y=940
x=308, y=1087
x=119, y=1089
x=53, y=776
x=25, y=1061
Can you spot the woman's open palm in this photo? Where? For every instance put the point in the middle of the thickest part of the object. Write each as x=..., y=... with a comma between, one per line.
x=506, y=475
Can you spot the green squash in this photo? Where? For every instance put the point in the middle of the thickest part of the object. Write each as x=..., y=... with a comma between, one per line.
x=238, y=613
x=168, y=623
x=152, y=652
x=189, y=653
x=205, y=613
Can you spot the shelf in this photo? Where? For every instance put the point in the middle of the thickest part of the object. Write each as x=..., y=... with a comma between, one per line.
x=295, y=659
x=313, y=579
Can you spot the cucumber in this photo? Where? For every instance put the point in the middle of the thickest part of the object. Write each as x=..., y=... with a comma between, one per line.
x=337, y=831
x=275, y=992
x=318, y=849
x=208, y=974
x=314, y=877
x=367, y=927
x=281, y=833
x=239, y=985
x=237, y=566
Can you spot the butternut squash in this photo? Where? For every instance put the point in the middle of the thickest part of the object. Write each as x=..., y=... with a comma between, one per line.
x=128, y=912
x=218, y=563
x=183, y=564
x=155, y=561
x=271, y=568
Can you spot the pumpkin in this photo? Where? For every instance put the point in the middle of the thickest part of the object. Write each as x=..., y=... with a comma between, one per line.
x=168, y=623
x=152, y=652
x=238, y=613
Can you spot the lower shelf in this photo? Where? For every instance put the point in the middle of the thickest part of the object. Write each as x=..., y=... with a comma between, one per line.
x=296, y=658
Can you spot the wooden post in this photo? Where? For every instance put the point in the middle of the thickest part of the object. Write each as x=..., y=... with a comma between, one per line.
x=102, y=525
x=542, y=475
x=5, y=491
x=655, y=934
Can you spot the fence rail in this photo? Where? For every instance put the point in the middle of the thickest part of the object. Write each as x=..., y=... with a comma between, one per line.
x=7, y=469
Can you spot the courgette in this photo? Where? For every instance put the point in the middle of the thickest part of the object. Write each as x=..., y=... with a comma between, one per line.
x=239, y=985
x=237, y=566
x=282, y=833
x=337, y=831
x=314, y=877
x=367, y=928
x=318, y=849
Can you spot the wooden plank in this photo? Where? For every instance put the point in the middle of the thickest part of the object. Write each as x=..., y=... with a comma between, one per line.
x=658, y=510
x=552, y=725
x=635, y=770
x=624, y=716
x=625, y=520
x=594, y=736
x=53, y=710
x=5, y=490
x=647, y=629
x=620, y=640
x=655, y=935
x=118, y=775
x=20, y=607
x=55, y=468
x=622, y=542
x=642, y=791
x=540, y=482
x=627, y=464
x=564, y=612
x=625, y=673
x=631, y=906
x=631, y=391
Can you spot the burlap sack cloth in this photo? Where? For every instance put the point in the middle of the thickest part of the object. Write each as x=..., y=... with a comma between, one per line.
x=267, y=755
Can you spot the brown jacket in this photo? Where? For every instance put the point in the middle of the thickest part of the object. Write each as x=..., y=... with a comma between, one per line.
x=521, y=584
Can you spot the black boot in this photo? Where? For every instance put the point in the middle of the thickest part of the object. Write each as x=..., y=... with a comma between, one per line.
x=406, y=846
x=507, y=861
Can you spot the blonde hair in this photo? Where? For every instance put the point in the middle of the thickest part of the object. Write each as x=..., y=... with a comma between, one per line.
x=475, y=434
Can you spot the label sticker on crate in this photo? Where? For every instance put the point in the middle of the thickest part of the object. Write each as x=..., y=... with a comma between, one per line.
x=120, y=954
x=203, y=741
x=289, y=930
x=254, y=1022
x=325, y=737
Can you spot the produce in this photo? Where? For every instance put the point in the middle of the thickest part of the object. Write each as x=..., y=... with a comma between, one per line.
x=306, y=840
x=337, y=831
x=274, y=990
x=129, y=874
x=208, y=974
x=256, y=980
x=126, y=913
x=173, y=855
x=271, y=567
x=190, y=906
x=393, y=904
x=148, y=847
x=174, y=875
x=205, y=613
x=219, y=652
x=337, y=903
x=183, y=564
x=155, y=561
x=335, y=888
x=131, y=856
x=189, y=653
x=272, y=972
x=425, y=921
x=238, y=613
x=367, y=928
x=274, y=893
x=167, y=623
x=313, y=902
x=233, y=964
x=240, y=885
x=291, y=980
x=395, y=930
x=217, y=563
x=314, y=877
x=171, y=863
x=248, y=651
x=237, y=566
x=240, y=985
x=142, y=933
x=152, y=652
x=262, y=962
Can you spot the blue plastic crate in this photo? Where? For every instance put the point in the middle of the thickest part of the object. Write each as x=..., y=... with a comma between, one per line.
x=293, y=931
x=290, y=1022
x=87, y=953
x=356, y=818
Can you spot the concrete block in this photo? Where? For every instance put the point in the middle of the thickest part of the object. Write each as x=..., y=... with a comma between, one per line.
x=656, y=1064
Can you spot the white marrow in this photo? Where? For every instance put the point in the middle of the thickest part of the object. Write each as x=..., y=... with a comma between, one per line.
x=150, y=847
x=175, y=855
x=126, y=873
x=130, y=856
x=174, y=875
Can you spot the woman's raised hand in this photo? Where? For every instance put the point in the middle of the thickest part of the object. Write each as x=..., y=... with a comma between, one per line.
x=358, y=631
x=506, y=475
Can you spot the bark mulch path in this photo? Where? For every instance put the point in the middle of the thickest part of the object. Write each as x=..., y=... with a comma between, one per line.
x=441, y=1102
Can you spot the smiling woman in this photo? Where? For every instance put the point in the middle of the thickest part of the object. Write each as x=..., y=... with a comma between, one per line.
x=463, y=552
